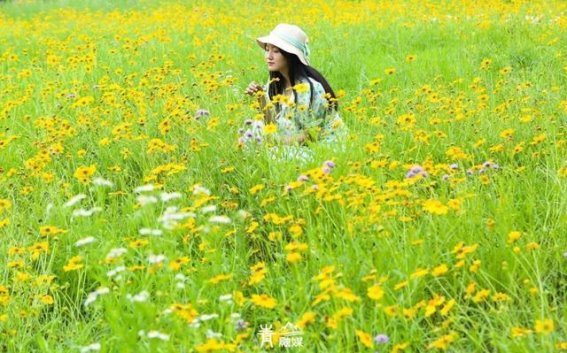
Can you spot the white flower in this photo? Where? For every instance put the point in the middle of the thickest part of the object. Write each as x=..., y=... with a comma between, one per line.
x=116, y=271
x=209, y=209
x=146, y=200
x=207, y=317
x=143, y=188
x=180, y=277
x=198, y=189
x=91, y=297
x=94, y=347
x=149, y=231
x=85, y=241
x=159, y=335
x=116, y=252
x=165, y=196
x=220, y=219
x=48, y=209
x=156, y=259
x=175, y=216
x=74, y=200
x=140, y=297
x=98, y=181
x=226, y=298
x=243, y=214
x=212, y=334
x=86, y=213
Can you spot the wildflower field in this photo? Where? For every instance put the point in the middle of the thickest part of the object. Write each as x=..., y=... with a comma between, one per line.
x=136, y=217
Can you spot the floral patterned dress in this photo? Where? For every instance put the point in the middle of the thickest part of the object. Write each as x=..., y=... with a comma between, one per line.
x=294, y=117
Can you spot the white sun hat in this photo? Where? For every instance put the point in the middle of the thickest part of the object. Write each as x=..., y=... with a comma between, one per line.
x=289, y=38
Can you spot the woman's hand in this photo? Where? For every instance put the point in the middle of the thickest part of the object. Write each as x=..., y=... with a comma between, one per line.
x=253, y=88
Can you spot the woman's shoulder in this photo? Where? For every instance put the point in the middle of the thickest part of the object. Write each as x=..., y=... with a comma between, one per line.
x=317, y=86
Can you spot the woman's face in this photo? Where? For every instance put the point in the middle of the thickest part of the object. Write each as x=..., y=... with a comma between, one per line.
x=275, y=59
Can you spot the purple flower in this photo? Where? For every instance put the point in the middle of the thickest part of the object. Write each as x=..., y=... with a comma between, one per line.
x=248, y=122
x=259, y=139
x=454, y=166
x=495, y=166
x=469, y=172
x=330, y=164
x=241, y=325
x=445, y=177
x=302, y=177
x=315, y=187
x=326, y=170
x=487, y=164
x=201, y=113
x=481, y=171
x=416, y=170
x=381, y=339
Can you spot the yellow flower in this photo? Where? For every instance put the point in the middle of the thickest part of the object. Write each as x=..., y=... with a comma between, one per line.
x=545, y=326
x=139, y=243
x=213, y=345
x=306, y=319
x=47, y=231
x=440, y=270
x=445, y=310
x=264, y=301
x=47, y=299
x=506, y=134
x=301, y=88
x=420, y=272
x=84, y=174
x=295, y=230
x=364, y=338
x=375, y=292
x=4, y=222
x=410, y=58
x=256, y=188
x=444, y=341
x=73, y=264
x=519, y=332
x=400, y=347
x=435, y=207
x=270, y=129
x=513, y=236
x=294, y=257
x=401, y=285
x=485, y=64
x=220, y=278
x=184, y=311
x=4, y=205
x=390, y=71
x=176, y=264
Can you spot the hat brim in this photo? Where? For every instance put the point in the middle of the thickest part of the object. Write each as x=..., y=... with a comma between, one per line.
x=283, y=45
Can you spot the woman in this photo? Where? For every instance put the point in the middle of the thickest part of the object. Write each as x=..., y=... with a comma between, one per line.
x=298, y=100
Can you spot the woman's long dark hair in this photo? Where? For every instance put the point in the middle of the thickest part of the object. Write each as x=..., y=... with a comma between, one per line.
x=297, y=70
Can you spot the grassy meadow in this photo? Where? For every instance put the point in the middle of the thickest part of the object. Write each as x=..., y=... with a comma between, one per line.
x=133, y=220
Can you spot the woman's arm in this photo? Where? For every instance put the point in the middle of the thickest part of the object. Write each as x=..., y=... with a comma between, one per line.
x=257, y=90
